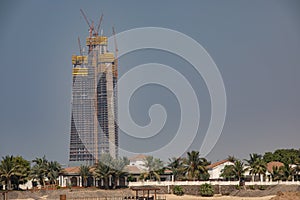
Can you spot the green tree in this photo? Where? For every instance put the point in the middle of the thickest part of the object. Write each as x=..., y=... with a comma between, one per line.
x=53, y=170
x=286, y=156
x=287, y=172
x=238, y=169
x=23, y=171
x=259, y=167
x=269, y=157
x=176, y=166
x=126, y=160
x=40, y=169
x=276, y=173
x=103, y=171
x=154, y=167
x=8, y=168
x=195, y=166
x=228, y=172
x=256, y=164
x=117, y=169
x=231, y=159
x=84, y=172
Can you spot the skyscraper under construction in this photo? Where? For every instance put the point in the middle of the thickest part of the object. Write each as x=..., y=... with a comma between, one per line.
x=94, y=129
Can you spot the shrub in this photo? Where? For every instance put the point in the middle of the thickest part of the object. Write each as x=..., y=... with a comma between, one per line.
x=252, y=187
x=204, y=176
x=206, y=190
x=177, y=190
x=262, y=187
x=238, y=187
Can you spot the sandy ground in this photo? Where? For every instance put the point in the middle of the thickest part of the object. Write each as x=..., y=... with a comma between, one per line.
x=275, y=193
x=189, y=197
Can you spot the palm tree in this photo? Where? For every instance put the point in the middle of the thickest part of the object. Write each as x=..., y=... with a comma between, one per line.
x=103, y=171
x=8, y=168
x=231, y=159
x=253, y=158
x=176, y=166
x=40, y=169
x=106, y=159
x=23, y=170
x=238, y=169
x=234, y=171
x=276, y=173
x=259, y=167
x=228, y=172
x=117, y=169
x=287, y=172
x=53, y=170
x=126, y=160
x=254, y=162
x=195, y=166
x=84, y=172
x=154, y=166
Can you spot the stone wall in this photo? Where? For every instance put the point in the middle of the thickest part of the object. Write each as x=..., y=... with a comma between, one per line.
x=194, y=189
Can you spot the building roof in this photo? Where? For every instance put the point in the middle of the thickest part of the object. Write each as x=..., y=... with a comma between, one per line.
x=74, y=170
x=132, y=169
x=213, y=165
x=71, y=170
x=272, y=164
x=139, y=157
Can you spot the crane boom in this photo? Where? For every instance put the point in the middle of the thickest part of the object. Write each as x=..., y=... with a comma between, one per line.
x=116, y=46
x=80, y=48
x=98, y=28
x=87, y=21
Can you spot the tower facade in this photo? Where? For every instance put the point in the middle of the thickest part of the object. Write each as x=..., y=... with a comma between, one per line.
x=94, y=129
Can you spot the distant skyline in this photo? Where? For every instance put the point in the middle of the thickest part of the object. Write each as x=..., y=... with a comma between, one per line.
x=255, y=46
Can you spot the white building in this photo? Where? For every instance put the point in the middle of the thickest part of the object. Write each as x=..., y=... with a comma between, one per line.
x=216, y=168
x=138, y=161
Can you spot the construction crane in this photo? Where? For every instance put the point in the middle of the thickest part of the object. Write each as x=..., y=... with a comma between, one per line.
x=92, y=30
x=80, y=48
x=116, y=47
x=91, y=26
x=98, y=28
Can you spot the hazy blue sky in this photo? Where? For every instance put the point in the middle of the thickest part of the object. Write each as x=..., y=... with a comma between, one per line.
x=255, y=44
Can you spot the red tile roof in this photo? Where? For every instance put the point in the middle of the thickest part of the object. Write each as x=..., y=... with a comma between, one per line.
x=213, y=165
x=270, y=165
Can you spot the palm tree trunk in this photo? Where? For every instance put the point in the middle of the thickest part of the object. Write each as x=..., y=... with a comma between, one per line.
x=116, y=181
x=84, y=182
x=106, y=182
x=8, y=184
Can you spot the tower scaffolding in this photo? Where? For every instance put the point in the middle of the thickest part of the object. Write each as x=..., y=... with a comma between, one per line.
x=94, y=129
